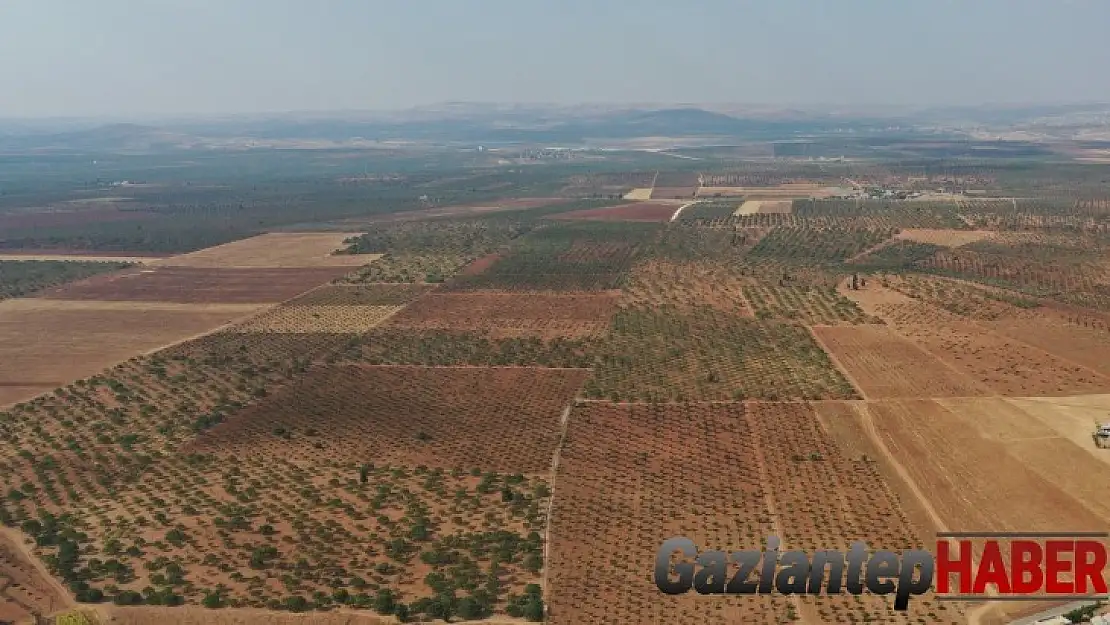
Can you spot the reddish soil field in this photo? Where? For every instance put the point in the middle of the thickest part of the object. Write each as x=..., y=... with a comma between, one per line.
x=480, y=265
x=195, y=285
x=512, y=314
x=884, y=364
x=1004, y=365
x=497, y=419
x=640, y=211
x=11, y=393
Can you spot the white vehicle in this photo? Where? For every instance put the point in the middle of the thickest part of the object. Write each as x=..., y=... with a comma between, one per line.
x=1102, y=435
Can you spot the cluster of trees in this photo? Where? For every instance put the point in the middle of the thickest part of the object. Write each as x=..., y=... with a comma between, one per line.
x=20, y=278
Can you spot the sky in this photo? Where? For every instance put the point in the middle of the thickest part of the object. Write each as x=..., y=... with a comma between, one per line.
x=137, y=57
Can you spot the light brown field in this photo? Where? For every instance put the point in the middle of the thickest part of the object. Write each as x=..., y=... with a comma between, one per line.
x=1050, y=331
x=883, y=364
x=15, y=393
x=749, y=207
x=943, y=452
x=318, y=319
x=275, y=250
x=947, y=238
x=1004, y=365
x=1073, y=418
x=638, y=194
x=49, y=342
x=766, y=207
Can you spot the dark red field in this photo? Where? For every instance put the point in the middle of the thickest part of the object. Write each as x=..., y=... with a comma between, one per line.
x=640, y=211
x=188, y=285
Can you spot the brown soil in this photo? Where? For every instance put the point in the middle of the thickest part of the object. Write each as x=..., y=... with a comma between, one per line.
x=511, y=314
x=11, y=393
x=639, y=211
x=1004, y=365
x=499, y=419
x=456, y=211
x=943, y=452
x=883, y=364
x=196, y=285
x=1051, y=332
x=55, y=342
x=275, y=250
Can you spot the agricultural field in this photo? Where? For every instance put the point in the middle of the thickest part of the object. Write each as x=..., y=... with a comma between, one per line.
x=811, y=245
x=272, y=251
x=406, y=346
x=666, y=284
x=408, y=269
x=566, y=256
x=189, y=285
x=504, y=419
x=811, y=305
x=945, y=238
x=19, y=278
x=884, y=364
x=898, y=214
x=638, y=211
x=505, y=314
x=50, y=343
x=705, y=354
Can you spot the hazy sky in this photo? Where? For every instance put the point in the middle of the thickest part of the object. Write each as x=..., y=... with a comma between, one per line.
x=120, y=57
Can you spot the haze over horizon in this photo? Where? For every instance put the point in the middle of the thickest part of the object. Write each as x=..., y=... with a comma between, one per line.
x=69, y=58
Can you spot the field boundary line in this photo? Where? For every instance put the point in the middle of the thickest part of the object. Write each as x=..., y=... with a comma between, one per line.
x=564, y=425
x=837, y=363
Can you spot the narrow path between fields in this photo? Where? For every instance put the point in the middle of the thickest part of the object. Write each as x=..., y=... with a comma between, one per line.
x=564, y=422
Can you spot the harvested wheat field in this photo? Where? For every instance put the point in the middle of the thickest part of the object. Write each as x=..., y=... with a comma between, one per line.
x=674, y=193
x=639, y=211
x=638, y=194
x=503, y=419
x=945, y=238
x=749, y=207
x=47, y=342
x=884, y=364
x=275, y=250
x=504, y=314
x=942, y=453
x=1004, y=365
x=764, y=207
x=1073, y=418
x=196, y=285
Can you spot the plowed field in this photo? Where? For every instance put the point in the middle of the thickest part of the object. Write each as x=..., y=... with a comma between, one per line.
x=196, y=286
x=884, y=364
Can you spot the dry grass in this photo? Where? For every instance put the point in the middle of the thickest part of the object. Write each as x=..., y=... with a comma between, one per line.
x=947, y=238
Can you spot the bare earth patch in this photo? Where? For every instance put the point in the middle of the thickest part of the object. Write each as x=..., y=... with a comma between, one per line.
x=56, y=342
x=275, y=250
